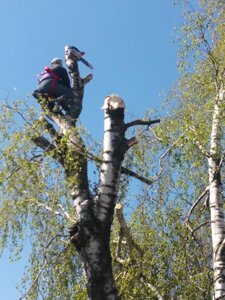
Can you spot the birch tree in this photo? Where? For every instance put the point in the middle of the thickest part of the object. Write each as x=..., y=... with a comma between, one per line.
x=200, y=116
x=91, y=220
x=91, y=232
x=215, y=162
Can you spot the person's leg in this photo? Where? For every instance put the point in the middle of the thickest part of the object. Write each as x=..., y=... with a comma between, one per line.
x=44, y=87
x=42, y=94
x=68, y=100
x=72, y=107
x=62, y=90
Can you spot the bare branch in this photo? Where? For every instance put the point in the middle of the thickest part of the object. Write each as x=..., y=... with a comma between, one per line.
x=221, y=161
x=196, y=203
x=131, y=142
x=141, y=122
x=61, y=213
x=154, y=134
x=125, y=231
x=61, y=122
x=66, y=214
x=34, y=281
x=119, y=260
x=133, y=174
x=153, y=288
x=43, y=143
x=203, y=224
x=166, y=153
x=124, y=170
x=119, y=244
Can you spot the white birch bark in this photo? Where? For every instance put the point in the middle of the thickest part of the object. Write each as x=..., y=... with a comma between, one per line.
x=113, y=152
x=216, y=201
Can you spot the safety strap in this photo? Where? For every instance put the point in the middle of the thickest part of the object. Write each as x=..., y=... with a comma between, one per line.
x=54, y=81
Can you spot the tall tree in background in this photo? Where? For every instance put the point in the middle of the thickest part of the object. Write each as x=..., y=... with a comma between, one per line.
x=199, y=117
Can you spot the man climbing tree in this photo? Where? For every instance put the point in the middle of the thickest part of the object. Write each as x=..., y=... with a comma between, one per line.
x=54, y=86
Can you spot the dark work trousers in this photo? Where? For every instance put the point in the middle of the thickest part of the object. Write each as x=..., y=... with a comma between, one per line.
x=70, y=102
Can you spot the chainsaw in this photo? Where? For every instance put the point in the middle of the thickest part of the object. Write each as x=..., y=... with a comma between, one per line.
x=74, y=51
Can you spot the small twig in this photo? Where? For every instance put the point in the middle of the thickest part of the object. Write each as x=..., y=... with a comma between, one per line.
x=13, y=172
x=65, y=213
x=119, y=260
x=48, y=208
x=166, y=152
x=20, y=167
x=192, y=233
x=206, y=203
x=34, y=281
x=203, y=224
x=154, y=134
x=19, y=113
x=196, y=203
x=45, y=262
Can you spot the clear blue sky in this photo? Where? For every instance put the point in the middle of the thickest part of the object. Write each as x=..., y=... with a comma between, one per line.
x=129, y=42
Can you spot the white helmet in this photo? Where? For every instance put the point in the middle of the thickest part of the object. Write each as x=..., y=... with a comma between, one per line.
x=56, y=61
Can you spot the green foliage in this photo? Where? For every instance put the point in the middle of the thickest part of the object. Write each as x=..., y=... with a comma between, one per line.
x=172, y=264
x=35, y=203
x=202, y=27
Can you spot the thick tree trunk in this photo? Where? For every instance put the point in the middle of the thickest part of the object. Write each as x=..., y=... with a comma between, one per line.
x=92, y=243
x=91, y=234
x=114, y=149
x=216, y=201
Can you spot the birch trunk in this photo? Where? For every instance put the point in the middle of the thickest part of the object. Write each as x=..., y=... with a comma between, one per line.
x=91, y=234
x=216, y=201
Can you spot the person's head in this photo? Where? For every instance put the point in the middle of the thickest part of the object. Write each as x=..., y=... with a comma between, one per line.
x=56, y=62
